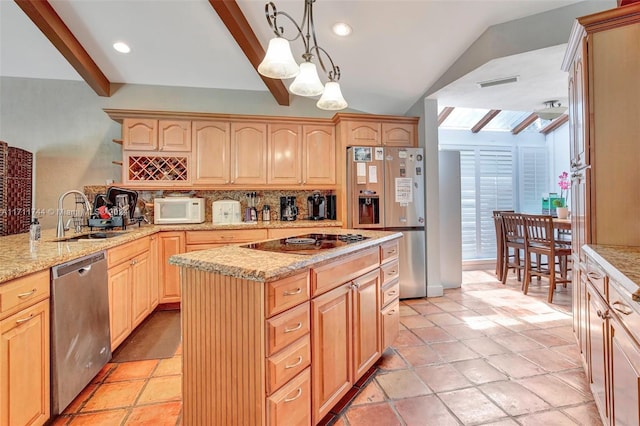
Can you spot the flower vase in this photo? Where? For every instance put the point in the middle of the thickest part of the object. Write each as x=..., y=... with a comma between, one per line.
x=562, y=212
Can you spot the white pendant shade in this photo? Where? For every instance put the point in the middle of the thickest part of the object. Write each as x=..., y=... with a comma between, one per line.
x=332, y=98
x=307, y=83
x=278, y=62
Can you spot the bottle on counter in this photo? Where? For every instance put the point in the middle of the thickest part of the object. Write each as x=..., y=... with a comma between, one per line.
x=34, y=230
x=266, y=213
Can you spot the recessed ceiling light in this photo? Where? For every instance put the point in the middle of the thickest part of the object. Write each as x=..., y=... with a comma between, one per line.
x=341, y=29
x=121, y=47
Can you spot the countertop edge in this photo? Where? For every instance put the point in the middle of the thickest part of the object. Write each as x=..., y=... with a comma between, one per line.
x=618, y=268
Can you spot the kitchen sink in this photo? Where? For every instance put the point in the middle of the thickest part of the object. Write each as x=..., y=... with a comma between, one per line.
x=95, y=236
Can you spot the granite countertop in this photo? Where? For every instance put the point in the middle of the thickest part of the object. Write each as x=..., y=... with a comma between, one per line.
x=621, y=263
x=19, y=257
x=264, y=266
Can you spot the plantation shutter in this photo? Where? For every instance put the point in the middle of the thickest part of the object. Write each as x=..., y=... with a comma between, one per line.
x=534, y=175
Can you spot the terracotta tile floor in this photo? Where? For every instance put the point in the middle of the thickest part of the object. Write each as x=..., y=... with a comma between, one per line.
x=484, y=354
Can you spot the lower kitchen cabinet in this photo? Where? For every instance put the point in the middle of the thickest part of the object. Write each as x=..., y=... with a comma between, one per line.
x=366, y=322
x=625, y=376
x=390, y=319
x=24, y=367
x=132, y=296
x=597, y=353
x=24, y=350
x=169, y=243
x=291, y=405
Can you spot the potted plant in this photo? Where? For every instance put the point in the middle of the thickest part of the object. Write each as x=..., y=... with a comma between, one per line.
x=564, y=183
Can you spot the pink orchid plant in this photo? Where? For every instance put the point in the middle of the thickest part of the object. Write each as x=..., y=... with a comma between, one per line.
x=564, y=183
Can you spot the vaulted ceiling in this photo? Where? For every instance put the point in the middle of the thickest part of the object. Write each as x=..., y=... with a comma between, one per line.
x=398, y=52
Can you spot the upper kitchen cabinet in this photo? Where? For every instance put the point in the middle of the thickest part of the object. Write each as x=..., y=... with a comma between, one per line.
x=211, y=152
x=285, y=154
x=375, y=130
x=249, y=153
x=319, y=155
x=143, y=134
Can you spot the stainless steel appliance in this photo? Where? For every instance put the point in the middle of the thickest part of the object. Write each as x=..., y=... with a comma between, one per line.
x=386, y=191
x=317, y=206
x=331, y=207
x=80, y=336
x=307, y=244
x=251, y=212
x=288, y=208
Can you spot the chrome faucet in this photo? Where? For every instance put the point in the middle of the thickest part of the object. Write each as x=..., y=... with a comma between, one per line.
x=80, y=199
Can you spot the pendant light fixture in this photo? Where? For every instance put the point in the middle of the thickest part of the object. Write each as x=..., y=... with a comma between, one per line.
x=279, y=63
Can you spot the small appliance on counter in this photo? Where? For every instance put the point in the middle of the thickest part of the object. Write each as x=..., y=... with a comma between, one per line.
x=178, y=210
x=331, y=207
x=288, y=208
x=251, y=212
x=317, y=206
x=226, y=211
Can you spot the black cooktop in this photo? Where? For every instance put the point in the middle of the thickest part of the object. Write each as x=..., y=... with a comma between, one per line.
x=307, y=244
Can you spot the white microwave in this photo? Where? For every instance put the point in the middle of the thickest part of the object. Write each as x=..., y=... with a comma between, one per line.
x=177, y=210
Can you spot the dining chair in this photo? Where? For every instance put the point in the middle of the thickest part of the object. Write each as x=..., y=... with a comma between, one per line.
x=540, y=240
x=514, y=245
x=500, y=246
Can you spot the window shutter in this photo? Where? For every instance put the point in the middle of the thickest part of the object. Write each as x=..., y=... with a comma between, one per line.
x=534, y=175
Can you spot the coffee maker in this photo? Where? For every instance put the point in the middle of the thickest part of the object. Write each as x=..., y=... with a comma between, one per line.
x=317, y=206
x=288, y=209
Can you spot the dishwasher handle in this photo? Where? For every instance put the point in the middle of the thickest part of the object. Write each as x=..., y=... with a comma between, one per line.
x=82, y=265
x=84, y=271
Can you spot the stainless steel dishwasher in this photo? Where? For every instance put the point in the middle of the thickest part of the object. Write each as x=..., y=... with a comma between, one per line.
x=80, y=338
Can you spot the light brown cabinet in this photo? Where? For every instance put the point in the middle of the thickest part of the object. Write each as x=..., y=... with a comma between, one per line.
x=319, y=155
x=285, y=154
x=211, y=152
x=377, y=130
x=249, y=153
x=132, y=290
x=169, y=243
x=24, y=350
x=143, y=134
x=399, y=134
x=202, y=240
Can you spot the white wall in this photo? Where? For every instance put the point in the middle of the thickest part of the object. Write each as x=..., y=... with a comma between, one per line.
x=559, y=156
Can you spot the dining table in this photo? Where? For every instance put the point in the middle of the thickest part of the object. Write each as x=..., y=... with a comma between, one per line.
x=562, y=224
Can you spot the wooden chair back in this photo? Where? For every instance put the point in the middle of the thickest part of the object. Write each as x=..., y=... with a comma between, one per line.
x=513, y=228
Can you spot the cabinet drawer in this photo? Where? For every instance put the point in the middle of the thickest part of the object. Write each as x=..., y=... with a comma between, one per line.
x=287, y=363
x=287, y=328
x=390, y=324
x=23, y=292
x=390, y=271
x=291, y=405
x=331, y=275
x=226, y=236
x=597, y=277
x=625, y=309
x=287, y=293
x=126, y=251
x=390, y=291
x=389, y=251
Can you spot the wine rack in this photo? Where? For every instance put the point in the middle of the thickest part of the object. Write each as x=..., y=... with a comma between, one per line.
x=146, y=168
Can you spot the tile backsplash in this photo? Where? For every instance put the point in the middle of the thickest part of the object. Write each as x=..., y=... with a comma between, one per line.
x=268, y=197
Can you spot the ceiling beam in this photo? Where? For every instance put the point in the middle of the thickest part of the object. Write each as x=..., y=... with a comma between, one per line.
x=444, y=114
x=485, y=120
x=239, y=27
x=52, y=26
x=525, y=123
x=555, y=124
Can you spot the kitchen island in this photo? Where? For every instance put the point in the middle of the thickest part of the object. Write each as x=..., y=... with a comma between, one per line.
x=275, y=338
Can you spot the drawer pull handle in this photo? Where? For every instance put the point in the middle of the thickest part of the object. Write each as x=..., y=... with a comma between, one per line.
x=594, y=275
x=602, y=315
x=636, y=296
x=392, y=293
x=392, y=251
x=297, y=327
x=393, y=272
x=27, y=294
x=391, y=312
x=292, y=292
x=293, y=398
x=622, y=308
x=23, y=320
x=295, y=364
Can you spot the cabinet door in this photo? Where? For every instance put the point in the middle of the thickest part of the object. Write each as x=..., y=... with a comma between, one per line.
x=154, y=288
x=139, y=134
x=212, y=152
x=248, y=153
x=24, y=367
x=140, y=288
x=578, y=152
x=331, y=349
x=390, y=324
x=119, y=303
x=597, y=352
x=625, y=376
x=366, y=323
x=362, y=133
x=170, y=243
x=580, y=215
x=285, y=154
x=399, y=134
x=319, y=155
x=174, y=135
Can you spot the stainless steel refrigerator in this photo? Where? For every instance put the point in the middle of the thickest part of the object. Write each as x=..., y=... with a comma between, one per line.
x=386, y=191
